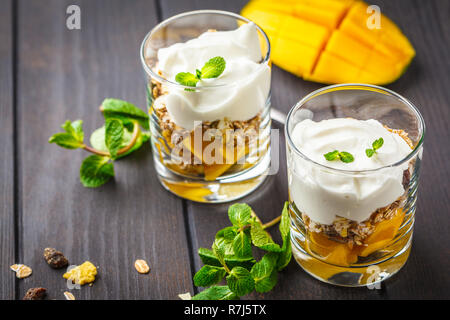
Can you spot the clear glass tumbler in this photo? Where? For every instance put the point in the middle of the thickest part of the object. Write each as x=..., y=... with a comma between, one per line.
x=346, y=252
x=220, y=159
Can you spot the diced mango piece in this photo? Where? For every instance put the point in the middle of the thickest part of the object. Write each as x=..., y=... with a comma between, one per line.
x=328, y=13
x=331, y=251
x=386, y=229
x=331, y=69
x=294, y=56
x=304, y=32
x=213, y=171
x=269, y=21
x=384, y=232
x=299, y=31
x=191, y=191
x=346, y=48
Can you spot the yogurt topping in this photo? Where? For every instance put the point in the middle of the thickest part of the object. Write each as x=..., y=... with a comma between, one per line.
x=246, y=80
x=323, y=194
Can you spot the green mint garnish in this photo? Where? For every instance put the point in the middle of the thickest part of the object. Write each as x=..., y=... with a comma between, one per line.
x=346, y=157
x=120, y=136
x=342, y=155
x=377, y=144
x=187, y=79
x=212, y=69
x=113, y=136
x=232, y=258
x=333, y=155
x=96, y=171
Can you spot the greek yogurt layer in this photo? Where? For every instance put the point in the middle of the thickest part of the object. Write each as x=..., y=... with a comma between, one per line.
x=239, y=93
x=324, y=194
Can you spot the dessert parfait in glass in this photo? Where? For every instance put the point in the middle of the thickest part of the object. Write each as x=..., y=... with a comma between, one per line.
x=208, y=95
x=353, y=154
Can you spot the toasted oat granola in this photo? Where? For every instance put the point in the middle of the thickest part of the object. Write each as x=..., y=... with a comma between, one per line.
x=348, y=231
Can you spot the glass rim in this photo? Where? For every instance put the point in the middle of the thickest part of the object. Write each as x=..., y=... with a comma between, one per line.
x=165, y=22
x=356, y=86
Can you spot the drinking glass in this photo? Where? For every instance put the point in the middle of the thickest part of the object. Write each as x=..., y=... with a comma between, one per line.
x=182, y=167
x=352, y=253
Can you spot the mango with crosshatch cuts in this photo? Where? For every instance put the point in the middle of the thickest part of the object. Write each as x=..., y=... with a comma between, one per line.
x=332, y=41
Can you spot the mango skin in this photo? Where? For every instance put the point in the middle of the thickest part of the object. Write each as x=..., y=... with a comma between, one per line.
x=328, y=41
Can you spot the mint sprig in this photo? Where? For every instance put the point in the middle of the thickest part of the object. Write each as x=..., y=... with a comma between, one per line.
x=344, y=156
x=377, y=144
x=231, y=257
x=120, y=136
x=213, y=68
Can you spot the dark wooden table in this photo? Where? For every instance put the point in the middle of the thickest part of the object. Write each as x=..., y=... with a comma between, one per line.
x=49, y=74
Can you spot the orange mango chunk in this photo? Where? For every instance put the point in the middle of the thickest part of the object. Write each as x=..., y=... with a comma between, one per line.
x=332, y=251
x=384, y=232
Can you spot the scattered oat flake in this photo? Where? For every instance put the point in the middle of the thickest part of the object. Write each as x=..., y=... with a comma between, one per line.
x=69, y=295
x=21, y=270
x=141, y=266
x=185, y=296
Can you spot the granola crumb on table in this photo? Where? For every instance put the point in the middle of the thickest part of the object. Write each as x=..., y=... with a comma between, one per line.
x=35, y=294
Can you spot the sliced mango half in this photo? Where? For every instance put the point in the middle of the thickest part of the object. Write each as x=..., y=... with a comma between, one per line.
x=332, y=41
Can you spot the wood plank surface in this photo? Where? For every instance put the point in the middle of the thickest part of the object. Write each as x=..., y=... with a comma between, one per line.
x=423, y=277
x=7, y=240
x=66, y=74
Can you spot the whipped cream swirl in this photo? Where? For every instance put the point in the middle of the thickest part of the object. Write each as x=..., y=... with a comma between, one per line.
x=239, y=93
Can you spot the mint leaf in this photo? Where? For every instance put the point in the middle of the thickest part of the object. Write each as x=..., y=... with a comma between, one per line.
x=73, y=136
x=213, y=68
x=333, y=155
x=125, y=111
x=285, y=221
x=285, y=255
x=343, y=156
x=96, y=171
x=225, y=238
x=264, y=272
x=186, y=79
x=209, y=275
x=198, y=74
x=261, y=239
x=75, y=129
x=370, y=152
x=65, y=140
x=242, y=245
x=207, y=256
x=216, y=293
x=377, y=144
x=239, y=214
x=97, y=141
x=240, y=281
x=113, y=136
x=219, y=252
x=346, y=157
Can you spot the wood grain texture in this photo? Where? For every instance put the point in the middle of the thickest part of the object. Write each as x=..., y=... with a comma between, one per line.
x=66, y=74
x=7, y=241
x=424, y=276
